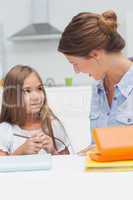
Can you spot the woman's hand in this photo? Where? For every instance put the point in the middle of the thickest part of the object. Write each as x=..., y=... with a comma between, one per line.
x=89, y=148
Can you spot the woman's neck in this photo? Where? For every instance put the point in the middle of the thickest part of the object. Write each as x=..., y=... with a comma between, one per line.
x=117, y=71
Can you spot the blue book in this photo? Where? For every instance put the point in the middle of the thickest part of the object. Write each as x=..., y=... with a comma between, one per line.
x=25, y=163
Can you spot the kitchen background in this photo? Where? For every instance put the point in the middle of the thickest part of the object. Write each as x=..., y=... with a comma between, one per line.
x=42, y=53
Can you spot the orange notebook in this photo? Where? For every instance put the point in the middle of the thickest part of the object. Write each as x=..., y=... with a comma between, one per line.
x=113, y=144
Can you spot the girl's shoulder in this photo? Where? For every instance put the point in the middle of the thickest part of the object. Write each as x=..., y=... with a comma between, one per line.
x=5, y=125
x=58, y=128
x=56, y=122
x=6, y=136
x=6, y=128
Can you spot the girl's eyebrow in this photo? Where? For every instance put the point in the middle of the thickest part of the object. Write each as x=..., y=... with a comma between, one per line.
x=28, y=87
x=25, y=88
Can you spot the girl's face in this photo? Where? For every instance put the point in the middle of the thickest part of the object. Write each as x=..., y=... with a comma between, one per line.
x=33, y=94
x=88, y=65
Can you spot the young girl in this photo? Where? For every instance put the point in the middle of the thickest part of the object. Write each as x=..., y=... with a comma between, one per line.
x=28, y=126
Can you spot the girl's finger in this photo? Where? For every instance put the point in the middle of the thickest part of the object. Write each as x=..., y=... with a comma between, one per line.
x=36, y=139
x=37, y=149
x=39, y=145
x=47, y=141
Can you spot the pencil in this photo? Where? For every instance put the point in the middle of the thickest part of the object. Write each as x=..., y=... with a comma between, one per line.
x=23, y=136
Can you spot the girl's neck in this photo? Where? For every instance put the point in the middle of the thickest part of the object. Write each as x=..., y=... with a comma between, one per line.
x=32, y=122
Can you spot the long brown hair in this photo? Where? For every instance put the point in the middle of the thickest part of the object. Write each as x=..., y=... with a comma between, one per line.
x=13, y=111
x=88, y=31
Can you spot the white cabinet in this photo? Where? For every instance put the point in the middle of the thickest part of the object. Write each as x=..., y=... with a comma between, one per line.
x=72, y=106
x=129, y=34
x=62, y=11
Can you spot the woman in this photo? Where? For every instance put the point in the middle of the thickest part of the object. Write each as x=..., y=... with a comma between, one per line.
x=28, y=126
x=93, y=46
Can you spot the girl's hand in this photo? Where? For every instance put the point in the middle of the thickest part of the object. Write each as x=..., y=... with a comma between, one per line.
x=31, y=146
x=47, y=144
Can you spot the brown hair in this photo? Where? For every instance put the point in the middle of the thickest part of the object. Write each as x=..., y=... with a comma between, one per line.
x=13, y=110
x=88, y=31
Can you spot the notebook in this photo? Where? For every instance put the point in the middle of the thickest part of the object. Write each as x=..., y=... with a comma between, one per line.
x=25, y=163
x=116, y=166
x=113, y=144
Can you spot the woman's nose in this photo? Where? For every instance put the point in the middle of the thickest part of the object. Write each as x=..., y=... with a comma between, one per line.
x=75, y=68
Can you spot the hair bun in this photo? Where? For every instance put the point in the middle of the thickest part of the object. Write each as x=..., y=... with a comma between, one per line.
x=108, y=22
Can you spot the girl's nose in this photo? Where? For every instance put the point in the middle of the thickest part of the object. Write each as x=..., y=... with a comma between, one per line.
x=34, y=95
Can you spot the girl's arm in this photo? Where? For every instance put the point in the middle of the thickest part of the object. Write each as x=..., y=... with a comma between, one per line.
x=64, y=151
x=49, y=146
x=61, y=138
x=3, y=153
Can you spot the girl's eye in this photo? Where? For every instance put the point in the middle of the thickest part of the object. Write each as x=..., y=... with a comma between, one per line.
x=27, y=91
x=40, y=88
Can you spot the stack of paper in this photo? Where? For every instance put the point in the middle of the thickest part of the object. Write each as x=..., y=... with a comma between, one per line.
x=25, y=163
x=117, y=166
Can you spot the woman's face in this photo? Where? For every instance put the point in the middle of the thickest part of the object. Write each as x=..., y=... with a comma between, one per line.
x=88, y=65
x=33, y=94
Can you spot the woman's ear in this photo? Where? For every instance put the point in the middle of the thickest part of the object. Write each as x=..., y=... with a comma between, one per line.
x=95, y=54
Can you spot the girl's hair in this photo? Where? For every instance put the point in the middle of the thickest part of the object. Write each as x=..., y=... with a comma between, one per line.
x=13, y=111
x=88, y=31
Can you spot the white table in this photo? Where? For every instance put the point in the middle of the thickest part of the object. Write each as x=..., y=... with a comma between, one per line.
x=67, y=180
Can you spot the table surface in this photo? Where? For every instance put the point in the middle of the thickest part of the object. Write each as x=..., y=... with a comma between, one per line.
x=66, y=180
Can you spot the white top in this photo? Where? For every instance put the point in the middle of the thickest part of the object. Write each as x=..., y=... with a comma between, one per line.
x=9, y=142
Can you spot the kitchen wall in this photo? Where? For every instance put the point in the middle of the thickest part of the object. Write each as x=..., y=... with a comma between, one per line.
x=43, y=55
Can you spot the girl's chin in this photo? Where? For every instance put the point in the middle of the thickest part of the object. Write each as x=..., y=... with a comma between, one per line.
x=34, y=112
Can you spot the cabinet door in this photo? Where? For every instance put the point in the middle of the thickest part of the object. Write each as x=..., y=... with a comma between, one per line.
x=129, y=34
x=62, y=11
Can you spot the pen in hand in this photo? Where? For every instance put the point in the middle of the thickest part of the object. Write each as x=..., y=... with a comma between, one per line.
x=32, y=146
x=23, y=136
